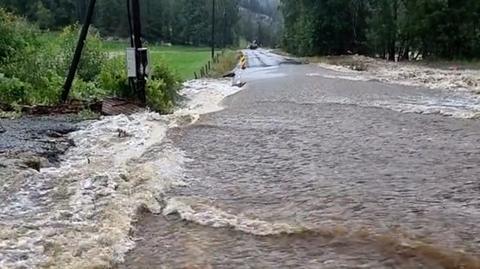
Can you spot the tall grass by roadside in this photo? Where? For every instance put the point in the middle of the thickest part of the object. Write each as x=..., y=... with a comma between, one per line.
x=226, y=63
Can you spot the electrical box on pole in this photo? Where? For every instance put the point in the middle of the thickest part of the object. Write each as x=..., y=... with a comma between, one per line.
x=131, y=63
x=133, y=69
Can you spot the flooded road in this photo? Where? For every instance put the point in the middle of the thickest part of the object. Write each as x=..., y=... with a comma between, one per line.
x=322, y=171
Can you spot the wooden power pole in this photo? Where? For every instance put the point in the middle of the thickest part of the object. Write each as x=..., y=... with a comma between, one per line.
x=141, y=59
x=78, y=52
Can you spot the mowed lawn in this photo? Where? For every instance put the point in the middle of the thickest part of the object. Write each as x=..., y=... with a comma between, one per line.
x=184, y=60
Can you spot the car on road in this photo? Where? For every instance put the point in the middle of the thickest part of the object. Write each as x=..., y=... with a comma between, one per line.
x=253, y=45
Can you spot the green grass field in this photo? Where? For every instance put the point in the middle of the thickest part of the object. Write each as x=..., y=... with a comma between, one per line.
x=184, y=60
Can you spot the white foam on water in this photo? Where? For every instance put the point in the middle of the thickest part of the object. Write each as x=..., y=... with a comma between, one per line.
x=206, y=215
x=445, y=108
x=448, y=108
x=206, y=95
x=457, y=96
x=80, y=214
x=411, y=74
x=352, y=77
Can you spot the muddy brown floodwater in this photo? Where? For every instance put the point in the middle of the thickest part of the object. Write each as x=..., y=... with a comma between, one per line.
x=321, y=172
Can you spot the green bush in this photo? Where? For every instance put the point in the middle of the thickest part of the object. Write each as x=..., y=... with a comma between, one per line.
x=46, y=87
x=16, y=36
x=157, y=97
x=34, y=68
x=36, y=65
x=162, y=86
x=12, y=90
x=37, y=68
x=113, y=78
x=87, y=91
x=162, y=89
x=93, y=56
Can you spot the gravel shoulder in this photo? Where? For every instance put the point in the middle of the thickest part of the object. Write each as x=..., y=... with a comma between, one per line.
x=35, y=141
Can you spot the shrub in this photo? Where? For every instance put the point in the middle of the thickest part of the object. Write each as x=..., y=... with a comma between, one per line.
x=47, y=88
x=93, y=56
x=162, y=89
x=33, y=72
x=12, y=90
x=16, y=36
x=87, y=91
x=157, y=96
x=41, y=66
x=37, y=68
x=113, y=78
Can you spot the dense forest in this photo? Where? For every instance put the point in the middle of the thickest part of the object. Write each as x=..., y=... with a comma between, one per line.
x=393, y=29
x=169, y=21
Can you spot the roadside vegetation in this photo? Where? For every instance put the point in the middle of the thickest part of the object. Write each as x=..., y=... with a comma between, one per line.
x=226, y=63
x=34, y=63
x=37, y=41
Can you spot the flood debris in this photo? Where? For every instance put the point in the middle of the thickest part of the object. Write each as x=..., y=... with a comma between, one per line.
x=406, y=73
x=34, y=164
x=123, y=133
x=71, y=107
x=117, y=106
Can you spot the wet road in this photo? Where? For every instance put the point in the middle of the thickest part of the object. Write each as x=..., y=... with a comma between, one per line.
x=322, y=171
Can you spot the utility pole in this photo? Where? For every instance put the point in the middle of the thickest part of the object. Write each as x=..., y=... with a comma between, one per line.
x=141, y=59
x=213, y=29
x=78, y=52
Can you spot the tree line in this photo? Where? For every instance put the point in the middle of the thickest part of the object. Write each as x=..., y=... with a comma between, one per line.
x=391, y=29
x=184, y=22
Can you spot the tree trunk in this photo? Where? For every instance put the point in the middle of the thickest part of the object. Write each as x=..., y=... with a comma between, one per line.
x=393, y=41
x=391, y=51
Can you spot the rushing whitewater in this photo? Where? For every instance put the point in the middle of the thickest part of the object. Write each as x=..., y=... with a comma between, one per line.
x=409, y=74
x=80, y=214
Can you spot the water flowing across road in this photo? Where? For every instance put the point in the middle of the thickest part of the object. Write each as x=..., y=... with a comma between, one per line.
x=314, y=168
x=306, y=167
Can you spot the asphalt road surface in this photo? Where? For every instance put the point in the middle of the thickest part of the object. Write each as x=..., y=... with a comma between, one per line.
x=307, y=169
